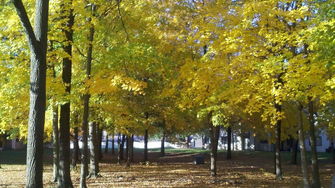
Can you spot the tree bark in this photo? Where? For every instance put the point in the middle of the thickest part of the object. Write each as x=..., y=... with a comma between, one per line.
x=163, y=145
x=106, y=144
x=145, y=159
x=99, y=141
x=333, y=151
x=55, y=142
x=294, y=151
x=132, y=149
x=302, y=147
x=75, y=157
x=86, y=101
x=113, y=144
x=37, y=40
x=127, y=147
x=278, y=168
x=188, y=141
x=93, y=143
x=242, y=142
x=64, y=129
x=128, y=151
x=214, y=148
x=122, y=147
x=229, y=134
x=119, y=156
x=315, y=166
x=85, y=156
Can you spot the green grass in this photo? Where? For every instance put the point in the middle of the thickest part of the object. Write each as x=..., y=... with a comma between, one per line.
x=181, y=150
x=14, y=157
x=19, y=156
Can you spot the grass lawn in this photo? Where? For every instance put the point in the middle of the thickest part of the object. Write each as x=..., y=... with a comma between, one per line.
x=246, y=169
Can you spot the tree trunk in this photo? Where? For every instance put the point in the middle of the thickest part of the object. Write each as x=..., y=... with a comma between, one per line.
x=127, y=147
x=333, y=151
x=203, y=140
x=93, y=143
x=188, y=141
x=122, y=147
x=132, y=149
x=302, y=147
x=113, y=144
x=128, y=158
x=294, y=151
x=163, y=145
x=242, y=142
x=86, y=102
x=37, y=40
x=85, y=155
x=99, y=141
x=75, y=157
x=279, y=174
x=229, y=134
x=214, y=148
x=106, y=144
x=55, y=142
x=119, y=157
x=315, y=167
x=145, y=159
x=64, y=129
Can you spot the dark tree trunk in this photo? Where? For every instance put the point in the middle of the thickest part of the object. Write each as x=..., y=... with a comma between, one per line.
x=294, y=151
x=132, y=149
x=315, y=166
x=242, y=142
x=214, y=148
x=188, y=141
x=163, y=145
x=85, y=155
x=75, y=157
x=127, y=147
x=86, y=101
x=113, y=144
x=302, y=147
x=333, y=151
x=123, y=140
x=119, y=148
x=99, y=141
x=229, y=134
x=37, y=40
x=145, y=159
x=64, y=123
x=203, y=140
x=106, y=144
x=55, y=142
x=278, y=168
x=93, y=143
x=128, y=151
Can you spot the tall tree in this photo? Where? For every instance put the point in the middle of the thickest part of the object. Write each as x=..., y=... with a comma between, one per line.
x=303, y=158
x=37, y=40
x=86, y=103
x=93, y=143
x=64, y=121
x=315, y=166
x=55, y=141
x=229, y=135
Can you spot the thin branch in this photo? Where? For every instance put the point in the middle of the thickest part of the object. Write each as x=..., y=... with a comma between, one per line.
x=123, y=25
x=22, y=13
x=80, y=52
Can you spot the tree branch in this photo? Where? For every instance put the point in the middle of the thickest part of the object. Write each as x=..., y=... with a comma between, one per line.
x=123, y=25
x=21, y=12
